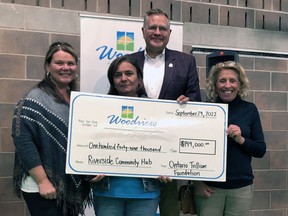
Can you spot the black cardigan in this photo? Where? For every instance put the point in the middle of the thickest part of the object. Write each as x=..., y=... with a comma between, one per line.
x=239, y=169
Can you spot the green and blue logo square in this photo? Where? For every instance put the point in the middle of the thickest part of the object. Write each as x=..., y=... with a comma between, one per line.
x=125, y=41
x=127, y=112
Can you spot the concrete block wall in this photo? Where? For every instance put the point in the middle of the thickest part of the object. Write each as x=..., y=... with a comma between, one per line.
x=27, y=27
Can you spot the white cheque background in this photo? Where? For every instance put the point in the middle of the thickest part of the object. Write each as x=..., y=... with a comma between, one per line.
x=162, y=138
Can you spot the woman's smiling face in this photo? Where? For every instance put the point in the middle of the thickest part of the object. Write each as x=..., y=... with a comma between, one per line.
x=62, y=69
x=227, y=85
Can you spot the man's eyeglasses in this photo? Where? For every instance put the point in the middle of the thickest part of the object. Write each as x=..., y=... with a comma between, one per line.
x=154, y=28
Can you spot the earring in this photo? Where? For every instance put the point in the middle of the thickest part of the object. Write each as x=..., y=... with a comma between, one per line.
x=76, y=77
x=47, y=73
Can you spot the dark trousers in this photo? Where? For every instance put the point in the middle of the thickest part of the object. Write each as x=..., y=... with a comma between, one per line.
x=38, y=205
x=169, y=204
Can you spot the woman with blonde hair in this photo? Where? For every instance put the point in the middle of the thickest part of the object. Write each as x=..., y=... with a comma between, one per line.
x=228, y=83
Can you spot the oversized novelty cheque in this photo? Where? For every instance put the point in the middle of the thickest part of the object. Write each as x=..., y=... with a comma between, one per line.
x=142, y=137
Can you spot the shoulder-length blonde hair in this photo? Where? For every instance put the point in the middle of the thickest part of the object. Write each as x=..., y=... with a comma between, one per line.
x=213, y=77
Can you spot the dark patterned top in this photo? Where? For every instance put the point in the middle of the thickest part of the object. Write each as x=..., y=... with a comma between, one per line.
x=39, y=131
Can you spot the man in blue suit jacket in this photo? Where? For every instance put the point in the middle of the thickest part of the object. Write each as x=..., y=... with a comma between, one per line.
x=168, y=74
x=180, y=76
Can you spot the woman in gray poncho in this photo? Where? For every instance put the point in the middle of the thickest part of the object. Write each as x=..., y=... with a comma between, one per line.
x=39, y=131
